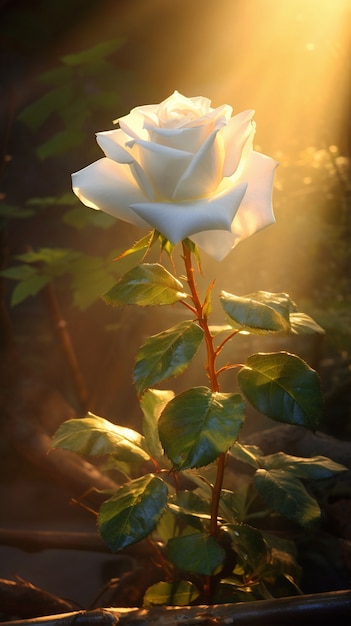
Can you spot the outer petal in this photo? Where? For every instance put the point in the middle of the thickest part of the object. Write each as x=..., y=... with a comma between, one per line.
x=238, y=138
x=254, y=214
x=180, y=220
x=110, y=187
x=113, y=143
x=216, y=243
x=204, y=173
x=256, y=211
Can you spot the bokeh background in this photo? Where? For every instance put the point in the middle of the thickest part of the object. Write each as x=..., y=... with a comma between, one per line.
x=68, y=69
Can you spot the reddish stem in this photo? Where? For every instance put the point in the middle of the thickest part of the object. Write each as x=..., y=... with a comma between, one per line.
x=213, y=378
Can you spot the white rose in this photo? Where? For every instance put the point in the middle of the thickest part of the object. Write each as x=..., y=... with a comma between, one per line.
x=186, y=170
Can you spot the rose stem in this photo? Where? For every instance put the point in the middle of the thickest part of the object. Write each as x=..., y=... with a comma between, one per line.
x=213, y=377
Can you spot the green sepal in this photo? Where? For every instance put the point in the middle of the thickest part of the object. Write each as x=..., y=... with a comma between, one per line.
x=166, y=354
x=179, y=593
x=198, y=553
x=145, y=243
x=283, y=387
x=96, y=436
x=285, y=494
x=133, y=512
x=198, y=425
x=148, y=284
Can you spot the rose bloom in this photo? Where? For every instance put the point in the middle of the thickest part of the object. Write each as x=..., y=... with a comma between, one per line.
x=184, y=169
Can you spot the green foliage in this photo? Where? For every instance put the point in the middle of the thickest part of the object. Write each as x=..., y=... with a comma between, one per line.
x=198, y=425
x=166, y=354
x=180, y=593
x=133, y=512
x=198, y=553
x=174, y=494
x=283, y=387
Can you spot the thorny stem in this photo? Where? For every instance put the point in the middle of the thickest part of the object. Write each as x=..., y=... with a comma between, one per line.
x=212, y=354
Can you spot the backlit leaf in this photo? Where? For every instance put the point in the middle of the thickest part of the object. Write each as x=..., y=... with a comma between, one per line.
x=133, y=512
x=96, y=436
x=285, y=493
x=146, y=285
x=261, y=312
x=152, y=404
x=166, y=354
x=312, y=468
x=198, y=553
x=198, y=425
x=179, y=593
x=283, y=387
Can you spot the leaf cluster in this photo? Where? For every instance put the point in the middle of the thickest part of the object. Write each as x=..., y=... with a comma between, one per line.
x=168, y=494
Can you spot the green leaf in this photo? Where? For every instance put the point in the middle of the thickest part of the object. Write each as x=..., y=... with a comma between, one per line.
x=40, y=110
x=60, y=143
x=90, y=277
x=198, y=425
x=146, y=285
x=29, y=287
x=198, y=553
x=261, y=312
x=95, y=436
x=247, y=454
x=80, y=217
x=166, y=354
x=302, y=324
x=285, y=493
x=283, y=387
x=179, y=593
x=92, y=55
x=9, y=211
x=313, y=468
x=133, y=512
x=250, y=546
x=19, y=272
x=152, y=404
x=190, y=503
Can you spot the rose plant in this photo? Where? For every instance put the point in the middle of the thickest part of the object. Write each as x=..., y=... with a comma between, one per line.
x=190, y=173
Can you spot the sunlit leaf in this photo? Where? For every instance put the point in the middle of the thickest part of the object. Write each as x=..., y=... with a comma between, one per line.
x=198, y=425
x=179, y=593
x=166, y=354
x=198, y=553
x=133, y=512
x=283, y=387
x=302, y=324
x=285, y=493
x=261, y=312
x=312, y=468
x=96, y=436
x=146, y=285
x=152, y=404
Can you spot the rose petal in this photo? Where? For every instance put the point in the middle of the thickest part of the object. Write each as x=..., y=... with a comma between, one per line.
x=189, y=139
x=180, y=220
x=238, y=138
x=163, y=165
x=216, y=243
x=178, y=109
x=109, y=186
x=256, y=211
x=204, y=173
x=113, y=144
x=133, y=124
